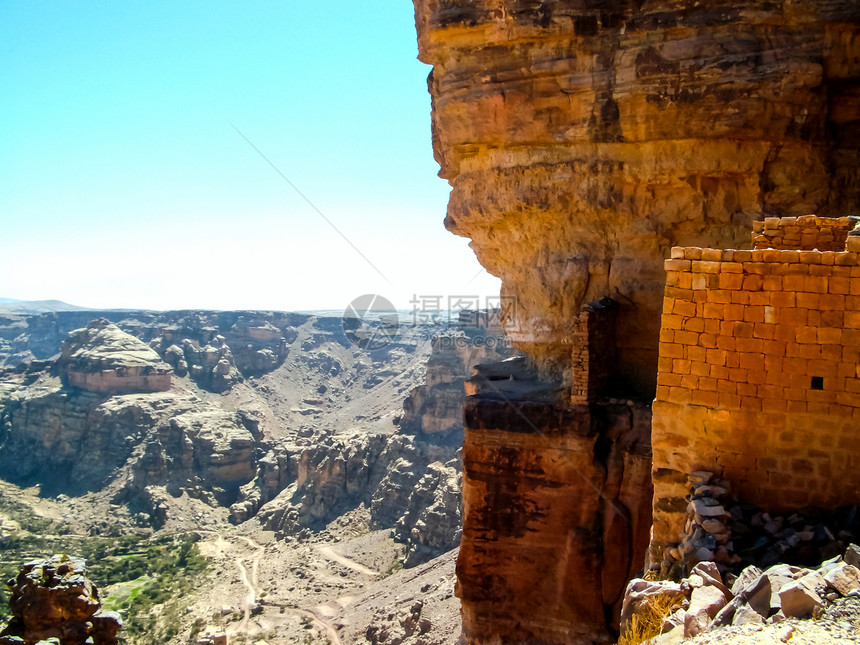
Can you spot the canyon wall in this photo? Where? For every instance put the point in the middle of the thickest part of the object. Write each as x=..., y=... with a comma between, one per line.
x=555, y=513
x=584, y=139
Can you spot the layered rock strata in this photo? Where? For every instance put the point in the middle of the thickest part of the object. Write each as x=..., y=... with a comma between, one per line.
x=102, y=358
x=71, y=440
x=217, y=349
x=555, y=510
x=408, y=485
x=584, y=140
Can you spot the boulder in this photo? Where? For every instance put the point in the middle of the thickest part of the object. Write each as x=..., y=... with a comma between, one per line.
x=799, y=599
x=845, y=578
x=705, y=603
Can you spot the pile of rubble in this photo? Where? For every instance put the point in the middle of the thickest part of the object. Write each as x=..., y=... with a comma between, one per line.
x=706, y=601
x=733, y=534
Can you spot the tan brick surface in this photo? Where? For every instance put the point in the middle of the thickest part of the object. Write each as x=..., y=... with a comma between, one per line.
x=736, y=393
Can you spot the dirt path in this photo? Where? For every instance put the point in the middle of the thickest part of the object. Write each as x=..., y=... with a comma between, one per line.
x=322, y=624
x=328, y=552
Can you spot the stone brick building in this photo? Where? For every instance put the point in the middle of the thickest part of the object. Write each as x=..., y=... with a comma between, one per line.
x=758, y=372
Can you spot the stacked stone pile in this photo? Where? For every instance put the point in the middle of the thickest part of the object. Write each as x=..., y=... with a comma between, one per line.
x=732, y=533
x=706, y=601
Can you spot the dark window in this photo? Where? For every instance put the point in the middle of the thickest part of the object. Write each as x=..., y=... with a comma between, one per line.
x=817, y=383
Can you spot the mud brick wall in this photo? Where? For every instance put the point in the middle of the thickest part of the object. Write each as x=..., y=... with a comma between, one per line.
x=758, y=380
x=807, y=232
x=594, y=355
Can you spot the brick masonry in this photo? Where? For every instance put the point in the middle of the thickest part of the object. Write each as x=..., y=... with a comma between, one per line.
x=594, y=352
x=758, y=375
x=808, y=232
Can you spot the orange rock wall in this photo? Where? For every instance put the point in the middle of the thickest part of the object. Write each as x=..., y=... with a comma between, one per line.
x=555, y=519
x=759, y=380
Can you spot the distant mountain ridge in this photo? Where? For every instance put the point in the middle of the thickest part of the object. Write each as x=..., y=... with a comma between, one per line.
x=12, y=305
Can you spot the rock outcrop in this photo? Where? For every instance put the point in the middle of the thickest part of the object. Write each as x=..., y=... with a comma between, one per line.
x=53, y=599
x=436, y=406
x=217, y=349
x=556, y=502
x=72, y=440
x=402, y=481
x=584, y=140
x=102, y=358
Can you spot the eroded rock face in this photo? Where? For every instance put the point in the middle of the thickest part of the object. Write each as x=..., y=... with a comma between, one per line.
x=582, y=140
x=102, y=358
x=70, y=440
x=402, y=480
x=54, y=599
x=556, y=512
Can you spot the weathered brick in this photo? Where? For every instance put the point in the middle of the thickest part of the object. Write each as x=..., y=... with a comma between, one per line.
x=679, y=395
x=700, y=266
x=806, y=334
x=668, y=378
x=698, y=368
x=719, y=296
x=829, y=336
x=677, y=265
x=809, y=351
x=686, y=338
x=696, y=325
x=689, y=381
x=730, y=401
x=671, y=350
x=753, y=314
x=752, y=282
x=731, y=281
x=707, y=399
x=725, y=386
x=696, y=353
x=815, y=284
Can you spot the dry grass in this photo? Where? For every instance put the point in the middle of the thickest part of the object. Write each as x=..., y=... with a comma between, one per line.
x=648, y=620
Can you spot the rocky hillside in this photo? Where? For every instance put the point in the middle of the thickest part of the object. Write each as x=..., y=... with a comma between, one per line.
x=243, y=429
x=272, y=416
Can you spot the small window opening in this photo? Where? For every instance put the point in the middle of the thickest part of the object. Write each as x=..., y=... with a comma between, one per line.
x=817, y=383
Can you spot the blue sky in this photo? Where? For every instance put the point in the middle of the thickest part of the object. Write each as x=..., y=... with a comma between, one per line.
x=123, y=183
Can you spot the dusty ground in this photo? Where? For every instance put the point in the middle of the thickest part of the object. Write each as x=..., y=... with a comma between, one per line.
x=326, y=589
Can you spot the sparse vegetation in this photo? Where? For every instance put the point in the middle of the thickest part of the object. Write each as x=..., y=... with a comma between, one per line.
x=648, y=621
x=133, y=573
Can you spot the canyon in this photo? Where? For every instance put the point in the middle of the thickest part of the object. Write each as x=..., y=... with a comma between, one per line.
x=269, y=436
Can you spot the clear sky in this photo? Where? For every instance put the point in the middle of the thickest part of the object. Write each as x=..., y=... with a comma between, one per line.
x=123, y=183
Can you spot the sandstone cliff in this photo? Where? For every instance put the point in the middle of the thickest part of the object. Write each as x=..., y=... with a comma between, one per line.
x=101, y=358
x=583, y=140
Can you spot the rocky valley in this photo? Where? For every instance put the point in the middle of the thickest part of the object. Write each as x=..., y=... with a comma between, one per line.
x=308, y=470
